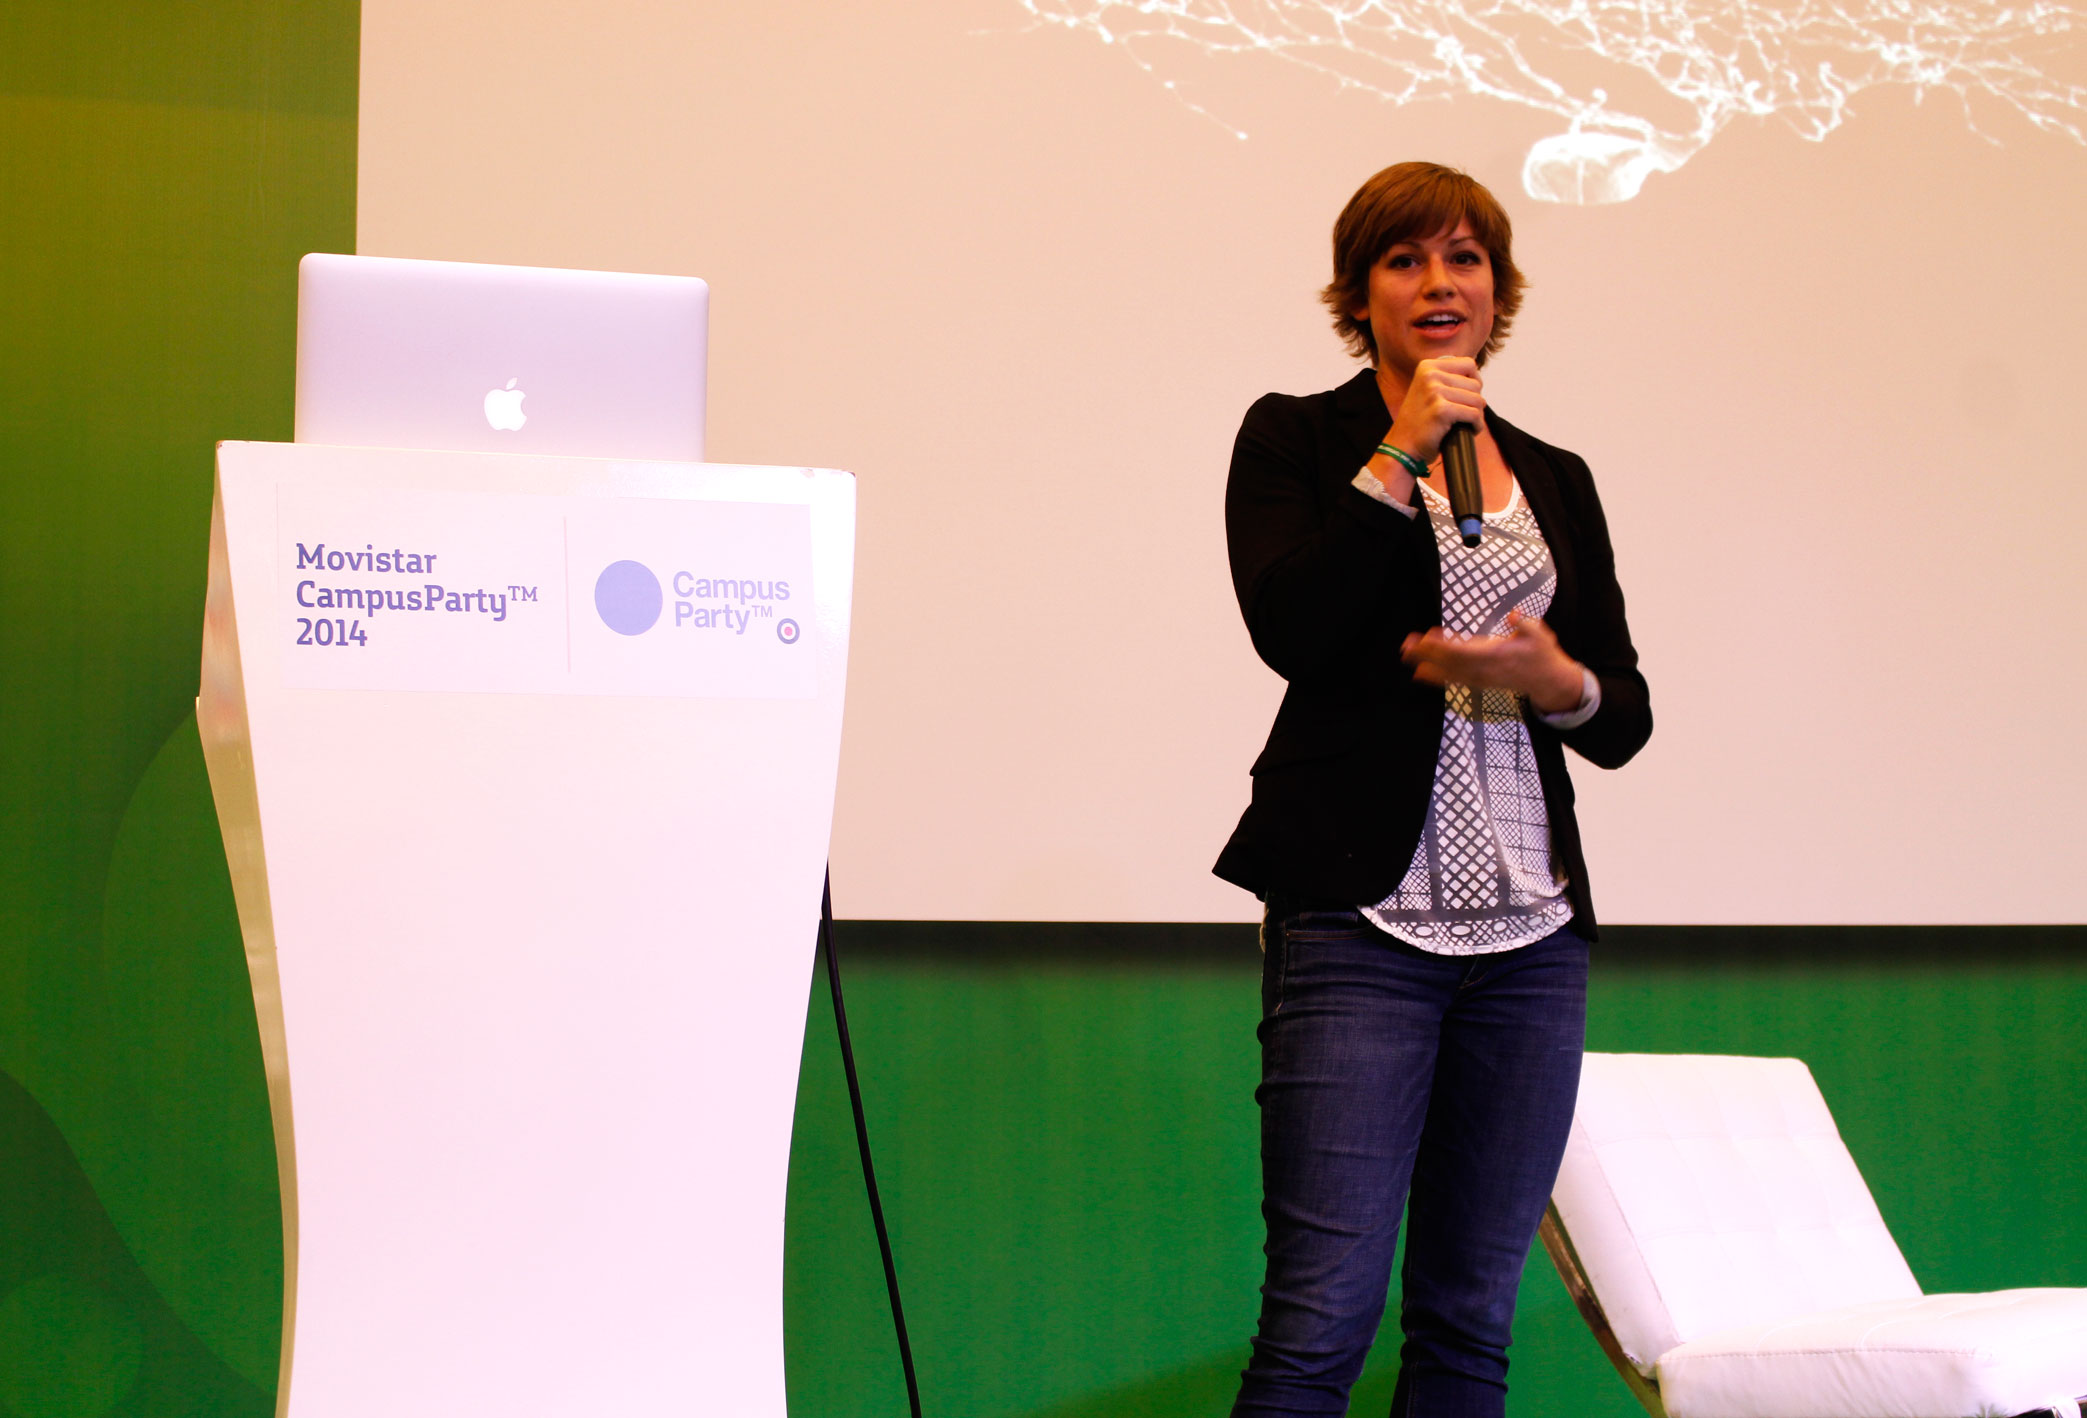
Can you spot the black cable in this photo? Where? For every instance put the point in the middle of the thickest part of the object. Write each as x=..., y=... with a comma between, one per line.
x=862, y=1141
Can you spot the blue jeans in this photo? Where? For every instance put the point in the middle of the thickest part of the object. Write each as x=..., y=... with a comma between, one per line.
x=1394, y=1078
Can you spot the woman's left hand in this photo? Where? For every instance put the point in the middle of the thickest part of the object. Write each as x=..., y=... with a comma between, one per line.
x=1527, y=660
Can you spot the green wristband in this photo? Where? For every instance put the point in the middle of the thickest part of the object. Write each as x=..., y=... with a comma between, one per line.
x=1405, y=460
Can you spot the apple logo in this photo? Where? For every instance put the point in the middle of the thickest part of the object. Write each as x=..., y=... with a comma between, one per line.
x=504, y=407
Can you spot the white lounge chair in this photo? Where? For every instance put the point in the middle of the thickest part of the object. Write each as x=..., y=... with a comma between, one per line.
x=1718, y=1239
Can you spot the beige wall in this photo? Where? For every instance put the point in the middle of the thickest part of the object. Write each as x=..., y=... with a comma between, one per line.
x=1003, y=276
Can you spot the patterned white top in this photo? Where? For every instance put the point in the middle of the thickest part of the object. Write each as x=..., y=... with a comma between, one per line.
x=1482, y=879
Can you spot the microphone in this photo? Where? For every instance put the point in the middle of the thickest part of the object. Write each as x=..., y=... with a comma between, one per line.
x=1467, y=498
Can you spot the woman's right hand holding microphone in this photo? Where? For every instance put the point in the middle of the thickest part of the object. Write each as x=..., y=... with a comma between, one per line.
x=1441, y=393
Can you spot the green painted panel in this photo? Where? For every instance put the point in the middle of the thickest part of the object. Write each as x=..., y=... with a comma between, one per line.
x=162, y=167
x=83, y=1331
x=1068, y=1157
x=196, y=1168
x=265, y=55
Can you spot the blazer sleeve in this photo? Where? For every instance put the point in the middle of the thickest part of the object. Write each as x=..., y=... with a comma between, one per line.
x=1620, y=727
x=1315, y=581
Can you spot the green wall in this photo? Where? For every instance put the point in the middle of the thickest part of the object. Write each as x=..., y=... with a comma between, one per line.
x=1068, y=1155
x=162, y=167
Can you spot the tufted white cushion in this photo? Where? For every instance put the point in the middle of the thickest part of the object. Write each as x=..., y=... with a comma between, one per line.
x=1993, y=1356
x=1706, y=1193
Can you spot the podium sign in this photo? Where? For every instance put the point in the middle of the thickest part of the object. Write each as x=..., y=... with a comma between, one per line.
x=526, y=770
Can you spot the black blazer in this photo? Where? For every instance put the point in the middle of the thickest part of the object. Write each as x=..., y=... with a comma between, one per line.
x=1331, y=582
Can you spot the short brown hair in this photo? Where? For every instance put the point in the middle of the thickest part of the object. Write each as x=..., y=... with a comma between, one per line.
x=1403, y=202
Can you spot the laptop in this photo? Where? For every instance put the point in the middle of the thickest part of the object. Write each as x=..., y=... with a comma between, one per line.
x=500, y=359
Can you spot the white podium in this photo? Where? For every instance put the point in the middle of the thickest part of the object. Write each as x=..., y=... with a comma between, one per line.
x=526, y=768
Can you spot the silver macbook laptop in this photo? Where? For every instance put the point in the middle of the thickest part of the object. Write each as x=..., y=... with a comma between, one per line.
x=499, y=359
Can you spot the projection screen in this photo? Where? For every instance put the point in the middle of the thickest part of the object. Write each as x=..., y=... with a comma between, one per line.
x=1803, y=291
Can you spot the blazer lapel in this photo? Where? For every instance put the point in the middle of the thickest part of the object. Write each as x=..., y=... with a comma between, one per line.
x=1360, y=417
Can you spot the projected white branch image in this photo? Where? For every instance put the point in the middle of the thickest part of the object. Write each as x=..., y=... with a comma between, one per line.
x=1639, y=86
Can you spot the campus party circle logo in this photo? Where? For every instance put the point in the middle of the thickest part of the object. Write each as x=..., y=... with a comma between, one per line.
x=627, y=596
x=786, y=631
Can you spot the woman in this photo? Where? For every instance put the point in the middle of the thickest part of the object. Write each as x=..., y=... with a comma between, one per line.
x=1411, y=832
